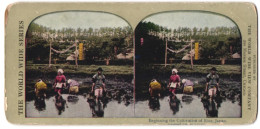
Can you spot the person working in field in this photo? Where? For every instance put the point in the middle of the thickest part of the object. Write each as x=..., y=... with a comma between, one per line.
x=98, y=85
x=212, y=85
x=60, y=82
x=154, y=88
x=174, y=81
x=73, y=86
x=40, y=89
x=187, y=86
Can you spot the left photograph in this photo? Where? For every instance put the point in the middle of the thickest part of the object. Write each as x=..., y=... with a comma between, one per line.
x=79, y=64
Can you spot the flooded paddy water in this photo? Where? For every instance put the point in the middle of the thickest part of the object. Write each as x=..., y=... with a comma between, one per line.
x=119, y=100
x=187, y=106
x=78, y=108
x=226, y=105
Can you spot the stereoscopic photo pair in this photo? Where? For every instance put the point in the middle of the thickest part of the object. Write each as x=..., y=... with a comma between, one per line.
x=77, y=59
x=174, y=63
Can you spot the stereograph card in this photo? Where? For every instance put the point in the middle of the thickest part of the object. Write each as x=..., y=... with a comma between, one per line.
x=161, y=63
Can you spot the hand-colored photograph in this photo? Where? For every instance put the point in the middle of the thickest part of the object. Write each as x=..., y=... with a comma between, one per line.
x=187, y=65
x=79, y=64
x=183, y=64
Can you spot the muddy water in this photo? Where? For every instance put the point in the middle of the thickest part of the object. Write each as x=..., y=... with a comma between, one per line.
x=77, y=108
x=230, y=87
x=117, y=88
x=118, y=101
x=186, y=106
x=228, y=104
x=121, y=102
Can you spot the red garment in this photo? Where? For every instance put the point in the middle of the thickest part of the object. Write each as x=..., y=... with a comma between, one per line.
x=175, y=78
x=58, y=90
x=60, y=79
x=172, y=90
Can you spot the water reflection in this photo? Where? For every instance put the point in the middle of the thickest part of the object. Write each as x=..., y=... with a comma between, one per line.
x=187, y=99
x=187, y=106
x=97, y=107
x=174, y=104
x=78, y=106
x=154, y=103
x=218, y=99
x=211, y=106
x=60, y=104
x=39, y=103
x=73, y=99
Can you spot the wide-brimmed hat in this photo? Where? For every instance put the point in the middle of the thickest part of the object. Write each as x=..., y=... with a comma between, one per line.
x=175, y=70
x=60, y=71
x=213, y=69
x=99, y=69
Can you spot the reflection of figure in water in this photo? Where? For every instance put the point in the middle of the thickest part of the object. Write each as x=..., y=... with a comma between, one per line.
x=40, y=89
x=73, y=99
x=39, y=104
x=174, y=103
x=97, y=107
x=174, y=81
x=154, y=88
x=212, y=85
x=154, y=103
x=187, y=99
x=98, y=85
x=60, y=82
x=211, y=108
x=60, y=104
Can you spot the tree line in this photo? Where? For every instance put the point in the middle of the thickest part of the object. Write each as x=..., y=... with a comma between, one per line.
x=99, y=44
x=214, y=43
x=106, y=42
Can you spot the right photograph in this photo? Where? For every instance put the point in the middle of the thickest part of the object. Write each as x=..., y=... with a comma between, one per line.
x=188, y=64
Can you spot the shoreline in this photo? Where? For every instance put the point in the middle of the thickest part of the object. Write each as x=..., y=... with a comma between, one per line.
x=223, y=70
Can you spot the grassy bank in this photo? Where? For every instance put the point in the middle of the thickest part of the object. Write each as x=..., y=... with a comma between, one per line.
x=36, y=69
x=225, y=70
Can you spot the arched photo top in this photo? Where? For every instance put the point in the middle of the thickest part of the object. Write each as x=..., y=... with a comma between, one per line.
x=79, y=22
x=217, y=36
x=80, y=19
x=102, y=35
x=190, y=19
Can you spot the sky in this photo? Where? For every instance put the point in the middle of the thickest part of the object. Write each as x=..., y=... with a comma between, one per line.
x=171, y=20
x=174, y=20
x=83, y=20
